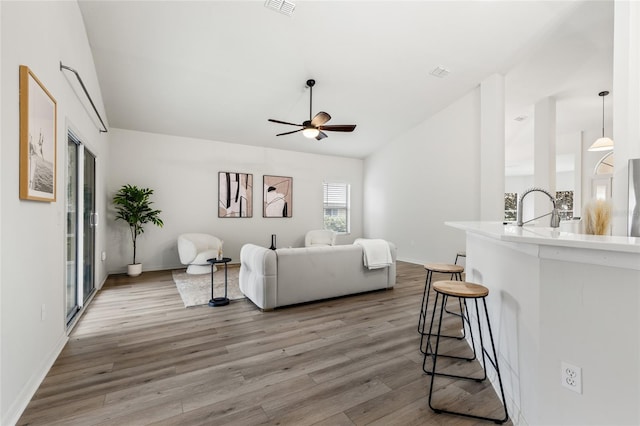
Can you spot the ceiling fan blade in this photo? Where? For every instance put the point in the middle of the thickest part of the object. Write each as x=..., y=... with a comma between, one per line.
x=339, y=128
x=321, y=135
x=283, y=122
x=320, y=118
x=288, y=133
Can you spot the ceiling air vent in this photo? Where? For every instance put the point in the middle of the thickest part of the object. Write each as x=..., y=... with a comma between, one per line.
x=282, y=6
x=440, y=72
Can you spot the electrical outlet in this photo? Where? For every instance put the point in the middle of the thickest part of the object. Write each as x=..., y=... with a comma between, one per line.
x=103, y=256
x=571, y=377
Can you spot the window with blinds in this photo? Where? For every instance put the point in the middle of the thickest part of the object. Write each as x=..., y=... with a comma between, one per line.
x=336, y=207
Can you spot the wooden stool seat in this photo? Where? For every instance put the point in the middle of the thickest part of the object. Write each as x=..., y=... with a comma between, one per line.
x=460, y=289
x=445, y=268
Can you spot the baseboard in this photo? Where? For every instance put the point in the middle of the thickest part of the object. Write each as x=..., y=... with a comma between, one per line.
x=15, y=411
x=104, y=280
x=159, y=268
x=415, y=262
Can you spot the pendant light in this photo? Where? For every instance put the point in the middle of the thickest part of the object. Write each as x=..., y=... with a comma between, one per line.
x=603, y=143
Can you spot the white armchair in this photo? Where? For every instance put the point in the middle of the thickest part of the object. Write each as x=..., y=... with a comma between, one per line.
x=320, y=237
x=195, y=249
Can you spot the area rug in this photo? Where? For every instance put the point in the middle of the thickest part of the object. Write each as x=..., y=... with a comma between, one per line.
x=195, y=290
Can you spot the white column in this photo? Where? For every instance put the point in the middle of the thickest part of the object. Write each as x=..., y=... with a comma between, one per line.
x=626, y=106
x=577, y=174
x=544, y=153
x=492, y=140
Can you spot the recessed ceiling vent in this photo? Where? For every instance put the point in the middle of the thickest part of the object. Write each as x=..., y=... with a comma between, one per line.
x=440, y=72
x=282, y=6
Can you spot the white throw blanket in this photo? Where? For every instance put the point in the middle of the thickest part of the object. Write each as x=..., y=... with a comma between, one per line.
x=376, y=253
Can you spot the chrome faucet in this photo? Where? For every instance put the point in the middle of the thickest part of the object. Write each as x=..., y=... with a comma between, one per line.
x=555, y=215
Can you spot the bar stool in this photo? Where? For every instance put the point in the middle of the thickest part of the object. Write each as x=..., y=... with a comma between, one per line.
x=444, y=268
x=463, y=291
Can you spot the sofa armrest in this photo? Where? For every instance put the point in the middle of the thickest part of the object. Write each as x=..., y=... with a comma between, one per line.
x=392, y=268
x=258, y=275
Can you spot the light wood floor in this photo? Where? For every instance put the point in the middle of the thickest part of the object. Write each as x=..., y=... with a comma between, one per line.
x=139, y=357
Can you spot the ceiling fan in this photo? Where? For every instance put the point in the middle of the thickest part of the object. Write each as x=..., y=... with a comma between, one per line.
x=315, y=127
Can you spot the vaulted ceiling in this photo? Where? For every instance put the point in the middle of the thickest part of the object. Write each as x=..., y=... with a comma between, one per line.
x=217, y=70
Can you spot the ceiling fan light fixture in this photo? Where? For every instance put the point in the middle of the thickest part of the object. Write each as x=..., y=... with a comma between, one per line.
x=315, y=126
x=603, y=143
x=310, y=132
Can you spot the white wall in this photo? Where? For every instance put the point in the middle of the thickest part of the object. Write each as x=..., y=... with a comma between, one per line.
x=425, y=177
x=183, y=172
x=564, y=182
x=32, y=245
x=626, y=106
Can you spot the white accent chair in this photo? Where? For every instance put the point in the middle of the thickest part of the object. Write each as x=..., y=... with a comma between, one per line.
x=320, y=237
x=194, y=250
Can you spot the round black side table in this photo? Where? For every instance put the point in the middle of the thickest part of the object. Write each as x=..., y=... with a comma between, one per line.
x=219, y=301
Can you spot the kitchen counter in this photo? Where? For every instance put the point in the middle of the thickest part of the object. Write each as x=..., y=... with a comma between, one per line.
x=560, y=297
x=549, y=236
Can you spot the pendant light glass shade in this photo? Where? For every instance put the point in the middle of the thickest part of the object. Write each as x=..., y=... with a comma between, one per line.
x=603, y=143
x=310, y=132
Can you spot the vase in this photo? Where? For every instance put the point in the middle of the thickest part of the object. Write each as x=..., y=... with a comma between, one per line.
x=135, y=269
x=273, y=242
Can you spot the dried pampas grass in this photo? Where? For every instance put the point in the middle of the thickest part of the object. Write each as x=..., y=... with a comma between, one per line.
x=597, y=217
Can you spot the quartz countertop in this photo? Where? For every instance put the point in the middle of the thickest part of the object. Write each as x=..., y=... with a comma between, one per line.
x=549, y=236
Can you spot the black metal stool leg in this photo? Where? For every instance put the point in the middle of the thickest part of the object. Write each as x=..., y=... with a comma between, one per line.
x=457, y=276
x=492, y=358
x=424, y=309
x=434, y=356
x=494, y=362
x=425, y=302
x=431, y=353
x=428, y=353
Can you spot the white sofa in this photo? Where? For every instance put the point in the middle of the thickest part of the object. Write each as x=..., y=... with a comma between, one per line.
x=287, y=276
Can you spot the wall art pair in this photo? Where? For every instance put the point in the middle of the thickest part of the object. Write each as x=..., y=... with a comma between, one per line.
x=235, y=195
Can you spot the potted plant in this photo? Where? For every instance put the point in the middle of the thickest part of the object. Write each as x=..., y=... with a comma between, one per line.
x=134, y=207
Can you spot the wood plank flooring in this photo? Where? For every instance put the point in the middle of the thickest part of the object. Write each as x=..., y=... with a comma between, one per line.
x=138, y=357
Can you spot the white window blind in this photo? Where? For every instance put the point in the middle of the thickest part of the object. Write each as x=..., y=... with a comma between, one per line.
x=336, y=207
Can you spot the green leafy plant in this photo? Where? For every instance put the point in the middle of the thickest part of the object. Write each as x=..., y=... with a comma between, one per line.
x=133, y=205
x=335, y=223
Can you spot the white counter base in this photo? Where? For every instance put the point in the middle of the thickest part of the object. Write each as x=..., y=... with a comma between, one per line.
x=555, y=298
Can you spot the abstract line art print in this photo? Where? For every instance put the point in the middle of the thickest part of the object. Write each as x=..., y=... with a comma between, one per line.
x=235, y=194
x=38, y=121
x=277, y=196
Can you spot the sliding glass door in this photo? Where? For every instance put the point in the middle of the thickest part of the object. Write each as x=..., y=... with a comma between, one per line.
x=72, y=305
x=82, y=220
x=90, y=221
